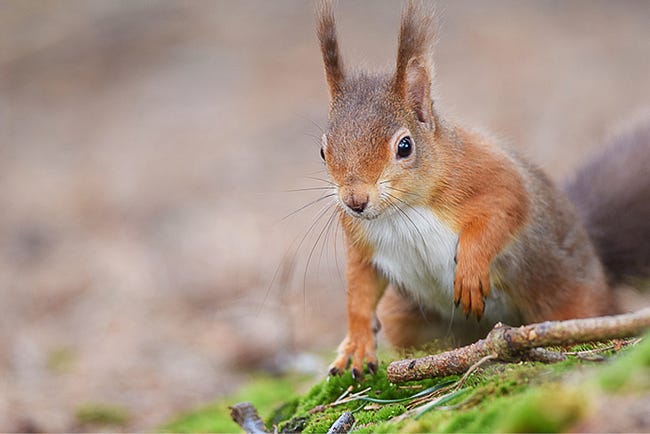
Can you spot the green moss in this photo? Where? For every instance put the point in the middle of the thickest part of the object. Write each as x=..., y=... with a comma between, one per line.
x=550, y=408
x=487, y=386
x=102, y=415
x=494, y=392
x=630, y=372
x=528, y=397
x=284, y=412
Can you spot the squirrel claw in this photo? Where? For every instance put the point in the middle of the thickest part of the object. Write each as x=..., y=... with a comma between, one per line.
x=479, y=313
x=471, y=288
x=355, y=353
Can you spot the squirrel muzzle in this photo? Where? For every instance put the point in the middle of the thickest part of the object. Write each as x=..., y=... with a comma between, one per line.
x=359, y=198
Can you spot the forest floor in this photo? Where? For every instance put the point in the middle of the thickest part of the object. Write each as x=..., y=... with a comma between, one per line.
x=604, y=389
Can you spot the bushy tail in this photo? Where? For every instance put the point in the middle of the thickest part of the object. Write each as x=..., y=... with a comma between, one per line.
x=612, y=195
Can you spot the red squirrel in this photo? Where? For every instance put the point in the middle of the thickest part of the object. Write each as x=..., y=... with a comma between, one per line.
x=436, y=216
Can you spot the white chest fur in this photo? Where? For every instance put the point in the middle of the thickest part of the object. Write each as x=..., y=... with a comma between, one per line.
x=415, y=250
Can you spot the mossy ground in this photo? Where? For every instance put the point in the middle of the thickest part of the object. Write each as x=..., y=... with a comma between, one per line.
x=523, y=397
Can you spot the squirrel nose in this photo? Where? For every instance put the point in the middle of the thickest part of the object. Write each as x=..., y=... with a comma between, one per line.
x=357, y=202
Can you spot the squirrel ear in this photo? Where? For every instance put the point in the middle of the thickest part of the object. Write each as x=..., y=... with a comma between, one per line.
x=330, y=48
x=417, y=90
x=413, y=76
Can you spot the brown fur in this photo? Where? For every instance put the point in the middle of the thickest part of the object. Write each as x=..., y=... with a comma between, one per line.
x=514, y=228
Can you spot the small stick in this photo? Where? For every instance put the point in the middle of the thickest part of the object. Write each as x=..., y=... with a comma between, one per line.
x=245, y=414
x=473, y=368
x=361, y=392
x=343, y=424
x=455, y=387
x=344, y=394
x=352, y=397
x=348, y=399
x=543, y=355
x=511, y=344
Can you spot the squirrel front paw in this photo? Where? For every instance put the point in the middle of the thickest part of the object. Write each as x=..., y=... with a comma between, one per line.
x=471, y=285
x=356, y=348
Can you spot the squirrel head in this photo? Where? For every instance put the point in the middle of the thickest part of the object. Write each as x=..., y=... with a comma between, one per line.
x=379, y=147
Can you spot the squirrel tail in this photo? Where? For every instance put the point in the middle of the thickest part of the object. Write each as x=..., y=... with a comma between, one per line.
x=611, y=192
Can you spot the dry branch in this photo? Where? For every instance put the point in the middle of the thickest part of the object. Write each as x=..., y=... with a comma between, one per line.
x=511, y=344
x=245, y=414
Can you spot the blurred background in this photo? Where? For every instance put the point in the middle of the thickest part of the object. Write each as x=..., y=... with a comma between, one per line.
x=146, y=150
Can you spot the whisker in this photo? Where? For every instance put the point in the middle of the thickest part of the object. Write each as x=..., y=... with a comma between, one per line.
x=288, y=262
x=336, y=256
x=315, y=137
x=417, y=229
x=281, y=266
x=313, y=123
x=404, y=191
x=293, y=190
x=406, y=203
x=323, y=170
x=313, y=202
x=326, y=239
x=319, y=216
x=311, y=252
x=322, y=180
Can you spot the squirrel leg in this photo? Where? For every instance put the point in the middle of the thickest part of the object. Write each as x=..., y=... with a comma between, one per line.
x=480, y=240
x=365, y=288
x=490, y=219
x=472, y=280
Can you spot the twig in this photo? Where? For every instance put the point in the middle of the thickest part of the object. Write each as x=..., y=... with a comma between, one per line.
x=428, y=405
x=359, y=393
x=593, y=355
x=450, y=388
x=352, y=397
x=473, y=368
x=245, y=414
x=344, y=394
x=348, y=399
x=511, y=344
x=343, y=424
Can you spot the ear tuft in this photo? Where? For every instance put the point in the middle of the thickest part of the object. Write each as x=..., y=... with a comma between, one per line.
x=330, y=48
x=414, y=72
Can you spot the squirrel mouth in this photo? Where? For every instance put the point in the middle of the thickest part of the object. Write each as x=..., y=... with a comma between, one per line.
x=363, y=215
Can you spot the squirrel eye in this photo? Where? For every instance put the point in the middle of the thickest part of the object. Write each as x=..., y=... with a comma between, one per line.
x=405, y=147
x=322, y=154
